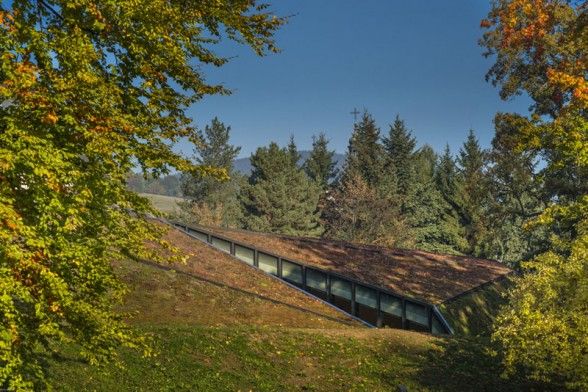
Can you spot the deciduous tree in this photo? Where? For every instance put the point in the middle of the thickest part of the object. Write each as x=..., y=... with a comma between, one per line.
x=89, y=90
x=541, y=49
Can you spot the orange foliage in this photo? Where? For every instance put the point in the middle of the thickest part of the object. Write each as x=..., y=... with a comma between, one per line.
x=525, y=22
x=569, y=82
x=50, y=118
x=530, y=25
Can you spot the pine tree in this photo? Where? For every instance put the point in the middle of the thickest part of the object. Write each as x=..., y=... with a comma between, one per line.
x=293, y=151
x=320, y=166
x=473, y=193
x=364, y=153
x=280, y=198
x=433, y=223
x=399, y=148
x=208, y=194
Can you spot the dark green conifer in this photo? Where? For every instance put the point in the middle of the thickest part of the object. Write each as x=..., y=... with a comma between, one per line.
x=280, y=198
x=320, y=166
x=434, y=225
x=473, y=193
x=399, y=149
x=365, y=153
x=293, y=151
x=209, y=193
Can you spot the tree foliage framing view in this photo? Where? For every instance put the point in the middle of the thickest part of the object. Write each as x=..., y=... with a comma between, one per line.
x=541, y=50
x=90, y=89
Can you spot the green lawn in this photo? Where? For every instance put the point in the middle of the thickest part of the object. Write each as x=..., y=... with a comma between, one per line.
x=242, y=330
x=275, y=359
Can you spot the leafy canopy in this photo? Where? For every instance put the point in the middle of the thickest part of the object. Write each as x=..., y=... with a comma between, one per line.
x=540, y=48
x=89, y=90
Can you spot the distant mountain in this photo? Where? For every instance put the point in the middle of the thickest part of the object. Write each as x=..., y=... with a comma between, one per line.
x=171, y=185
x=243, y=165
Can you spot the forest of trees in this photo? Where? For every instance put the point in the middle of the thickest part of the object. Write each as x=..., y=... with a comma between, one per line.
x=389, y=192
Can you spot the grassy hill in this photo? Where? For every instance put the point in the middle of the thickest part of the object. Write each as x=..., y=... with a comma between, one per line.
x=219, y=325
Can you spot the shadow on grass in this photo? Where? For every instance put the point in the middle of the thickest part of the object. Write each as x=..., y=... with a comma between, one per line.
x=467, y=364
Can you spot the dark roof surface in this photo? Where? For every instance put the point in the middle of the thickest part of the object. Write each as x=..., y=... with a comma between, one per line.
x=423, y=275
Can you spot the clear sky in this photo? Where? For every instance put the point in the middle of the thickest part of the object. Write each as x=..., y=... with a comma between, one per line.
x=419, y=59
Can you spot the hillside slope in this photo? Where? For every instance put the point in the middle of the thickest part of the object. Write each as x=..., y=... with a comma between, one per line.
x=219, y=325
x=213, y=289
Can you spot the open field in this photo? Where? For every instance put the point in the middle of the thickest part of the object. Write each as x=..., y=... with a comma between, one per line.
x=167, y=204
x=219, y=325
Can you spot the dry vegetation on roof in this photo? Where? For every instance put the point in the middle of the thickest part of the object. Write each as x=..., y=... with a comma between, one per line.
x=423, y=275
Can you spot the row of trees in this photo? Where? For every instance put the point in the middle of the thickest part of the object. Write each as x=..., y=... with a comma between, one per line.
x=389, y=192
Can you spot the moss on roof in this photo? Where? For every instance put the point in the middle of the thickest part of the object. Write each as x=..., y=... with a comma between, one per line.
x=423, y=275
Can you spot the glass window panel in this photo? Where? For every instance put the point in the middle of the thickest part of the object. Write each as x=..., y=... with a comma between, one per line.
x=438, y=328
x=391, y=305
x=365, y=296
x=244, y=254
x=268, y=263
x=316, y=280
x=341, y=288
x=198, y=234
x=417, y=313
x=221, y=244
x=292, y=272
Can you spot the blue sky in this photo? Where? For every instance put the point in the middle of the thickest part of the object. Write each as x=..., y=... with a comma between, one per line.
x=419, y=59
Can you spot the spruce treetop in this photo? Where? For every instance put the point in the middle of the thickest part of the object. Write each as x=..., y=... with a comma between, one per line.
x=320, y=166
x=364, y=152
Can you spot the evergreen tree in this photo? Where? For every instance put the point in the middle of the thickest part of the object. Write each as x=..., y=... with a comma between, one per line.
x=399, y=148
x=515, y=197
x=433, y=224
x=364, y=153
x=208, y=194
x=293, y=151
x=320, y=166
x=473, y=193
x=280, y=198
x=447, y=183
x=446, y=177
x=365, y=206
